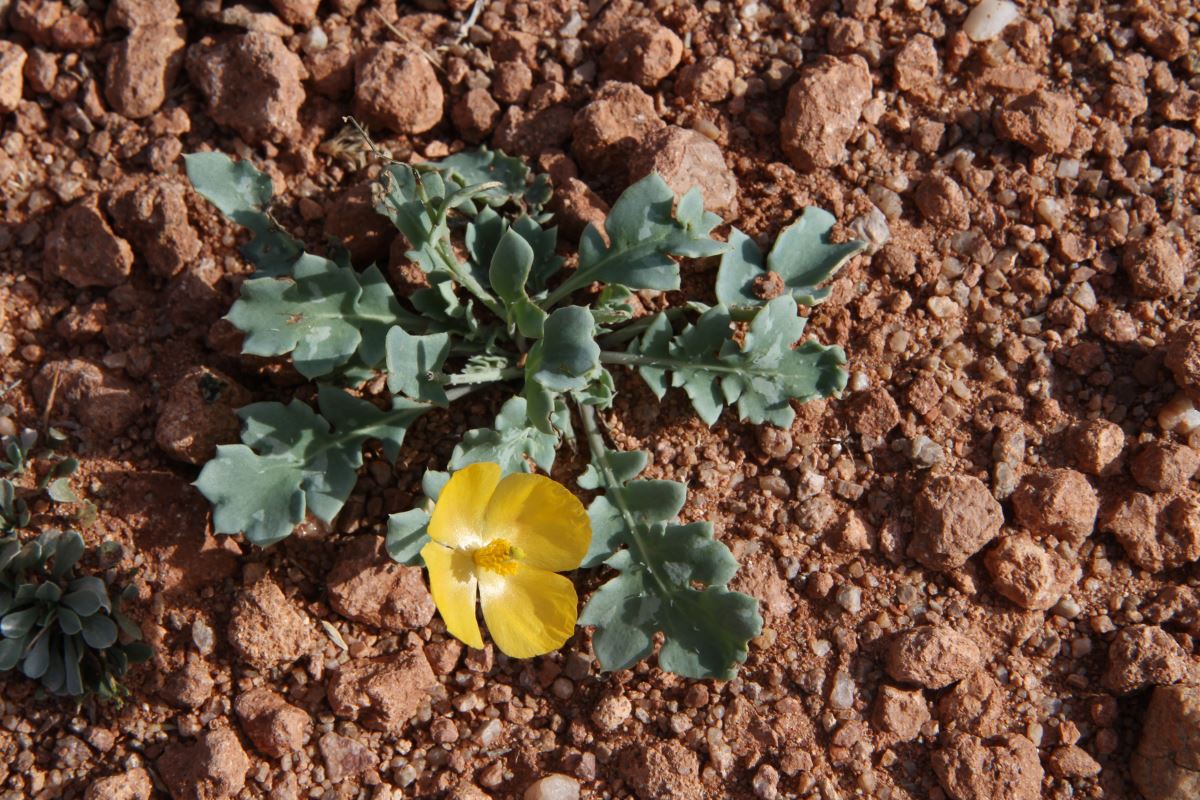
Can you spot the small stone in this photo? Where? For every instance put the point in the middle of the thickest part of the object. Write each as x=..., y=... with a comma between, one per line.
x=1072, y=761
x=708, y=80
x=553, y=787
x=610, y=128
x=132, y=784
x=132, y=14
x=105, y=404
x=382, y=693
x=266, y=628
x=1156, y=532
x=1028, y=574
x=1043, y=121
x=345, y=759
x=396, y=88
x=576, y=206
x=1005, y=768
x=1164, y=466
x=190, y=686
x=1165, y=37
x=873, y=413
x=143, y=68
x=988, y=19
x=1183, y=357
x=900, y=714
x=974, y=705
x=918, y=68
x=1153, y=266
x=12, y=75
x=823, y=109
x=1096, y=446
x=766, y=782
x=365, y=585
x=475, y=114
x=82, y=249
x=1169, y=146
x=1166, y=764
x=663, y=769
x=297, y=12
x=253, y=84
x=214, y=768
x=941, y=202
x=512, y=82
x=1057, y=502
x=954, y=517
x=199, y=414
x=612, y=712
x=644, y=53
x=932, y=656
x=153, y=216
x=276, y=727
x=685, y=159
x=1141, y=656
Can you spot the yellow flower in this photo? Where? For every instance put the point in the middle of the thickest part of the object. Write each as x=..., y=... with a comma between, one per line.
x=505, y=540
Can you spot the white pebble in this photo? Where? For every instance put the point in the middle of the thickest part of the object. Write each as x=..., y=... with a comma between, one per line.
x=1179, y=415
x=850, y=598
x=842, y=694
x=554, y=787
x=988, y=19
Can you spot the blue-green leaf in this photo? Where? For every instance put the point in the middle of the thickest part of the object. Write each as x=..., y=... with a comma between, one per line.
x=508, y=443
x=803, y=257
x=407, y=534
x=568, y=356
x=414, y=363
x=99, y=632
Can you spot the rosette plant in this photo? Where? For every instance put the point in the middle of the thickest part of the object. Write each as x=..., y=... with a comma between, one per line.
x=499, y=309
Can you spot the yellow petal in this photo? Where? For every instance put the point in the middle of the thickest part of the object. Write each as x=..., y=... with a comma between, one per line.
x=458, y=515
x=452, y=582
x=542, y=519
x=528, y=613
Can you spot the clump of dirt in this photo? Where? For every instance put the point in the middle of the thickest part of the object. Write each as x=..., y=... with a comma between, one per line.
x=978, y=568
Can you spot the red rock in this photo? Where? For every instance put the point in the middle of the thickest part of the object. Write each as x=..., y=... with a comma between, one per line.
x=1165, y=37
x=1183, y=357
x=132, y=784
x=153, y=216
x=823, y=109
x=365, y=585
x=1004, y=768
x=199, y=414
x=531, y=133
x=686, y=159
x=190, y=686
x=662, y=769
x=105, y=404
x=474, y=115
x=900, y=714
x=954, y=517
x=975, y=705
x=576, y=206
x=932, y=656
x=253, y=84
x=276, y=727
x=396, y=88
x=610, y=128
x=612, y=711
x=353, y=220
x=1141, y=656
x=1164, y=466
x=942, y=202
x=918, y=69
x=1096, y=446
x=1153, y=266
x=214, y=768
x=1166, y=764
x=143, y=68
x=644, y=53
x=1042, y=121
x=296, y=12
x=266, y=628
x=708, y=80
x=1072, y=761
x=135, y=13
x=345, y=759
x=381, y=693
x=83, y=250
x=12, y=75
x=873, y=413
x=1057, y=502
x=1028, y=574
x=1169, y=146
x=331, y=71
x=512, y=82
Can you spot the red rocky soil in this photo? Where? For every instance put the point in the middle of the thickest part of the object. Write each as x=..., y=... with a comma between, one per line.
x=978, y=568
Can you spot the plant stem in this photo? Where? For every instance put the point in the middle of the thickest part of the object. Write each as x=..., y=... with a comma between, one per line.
x=482, y=376
x=634, y=328
x=599, y=455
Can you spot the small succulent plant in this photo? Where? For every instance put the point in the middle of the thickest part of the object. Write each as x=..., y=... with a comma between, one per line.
x=59, y=627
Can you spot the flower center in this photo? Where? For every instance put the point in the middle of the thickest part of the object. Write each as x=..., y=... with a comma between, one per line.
x=499, y=556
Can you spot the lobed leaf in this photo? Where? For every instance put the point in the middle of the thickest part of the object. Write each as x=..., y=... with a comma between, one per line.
x=508, y=443
x=413, y=364
x=292, y=462
x=803, y=257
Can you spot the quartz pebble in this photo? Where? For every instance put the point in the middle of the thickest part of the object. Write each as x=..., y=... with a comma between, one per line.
x=988, y=19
